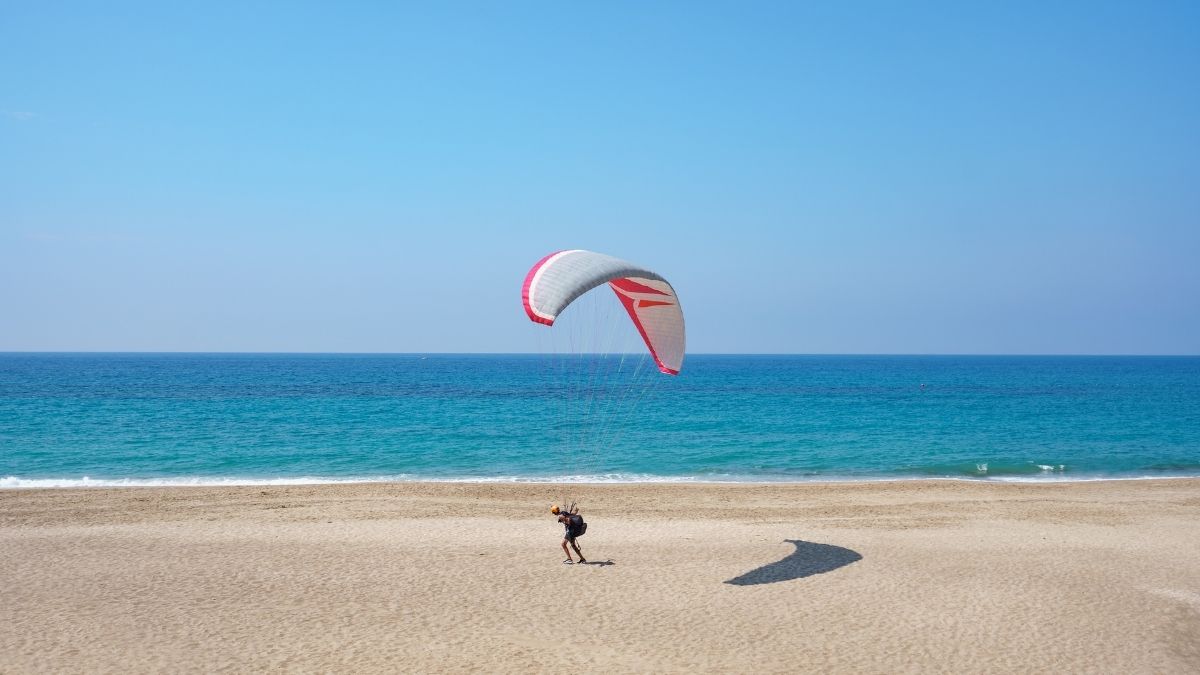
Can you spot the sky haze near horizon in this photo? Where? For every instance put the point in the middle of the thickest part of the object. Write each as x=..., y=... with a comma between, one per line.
x=866, y=178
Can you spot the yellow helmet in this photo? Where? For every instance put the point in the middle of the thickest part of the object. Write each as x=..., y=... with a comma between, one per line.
x=554, y=509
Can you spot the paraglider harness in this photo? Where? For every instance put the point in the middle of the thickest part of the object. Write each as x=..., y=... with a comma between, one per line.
x=576, y=527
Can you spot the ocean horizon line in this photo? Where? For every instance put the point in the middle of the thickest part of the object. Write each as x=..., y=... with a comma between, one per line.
x=535, y=353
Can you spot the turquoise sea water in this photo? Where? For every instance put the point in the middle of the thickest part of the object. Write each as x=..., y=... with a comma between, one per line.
x=70, y=419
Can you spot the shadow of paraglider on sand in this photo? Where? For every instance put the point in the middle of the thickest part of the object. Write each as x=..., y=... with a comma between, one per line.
x=808, y=559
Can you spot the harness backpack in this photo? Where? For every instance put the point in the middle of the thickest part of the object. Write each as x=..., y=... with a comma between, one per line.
x=578, y=526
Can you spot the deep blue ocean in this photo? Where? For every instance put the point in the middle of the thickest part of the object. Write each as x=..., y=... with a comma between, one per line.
x=100, y=419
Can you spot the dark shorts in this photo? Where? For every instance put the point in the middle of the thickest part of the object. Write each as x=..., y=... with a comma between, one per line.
x=570, y=536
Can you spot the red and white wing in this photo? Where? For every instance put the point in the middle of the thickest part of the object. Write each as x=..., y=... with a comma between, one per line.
x=559, y=278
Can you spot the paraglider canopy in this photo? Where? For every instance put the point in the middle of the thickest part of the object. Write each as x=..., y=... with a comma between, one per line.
x=558, y=279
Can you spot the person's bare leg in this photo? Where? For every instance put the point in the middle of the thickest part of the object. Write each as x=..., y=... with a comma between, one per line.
x=564, y=545
x=577, y=551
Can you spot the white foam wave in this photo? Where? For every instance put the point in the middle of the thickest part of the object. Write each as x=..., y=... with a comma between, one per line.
x=1043, y=478
x=16, y=482
x=187, y=481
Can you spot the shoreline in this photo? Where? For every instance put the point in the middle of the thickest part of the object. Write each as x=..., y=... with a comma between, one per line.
x=896, y=576
x=86, y=483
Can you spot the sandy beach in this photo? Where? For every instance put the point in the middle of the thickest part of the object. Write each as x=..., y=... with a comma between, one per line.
x=914, y=576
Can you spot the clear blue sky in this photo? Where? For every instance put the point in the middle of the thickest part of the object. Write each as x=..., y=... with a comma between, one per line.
x=855, y=177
